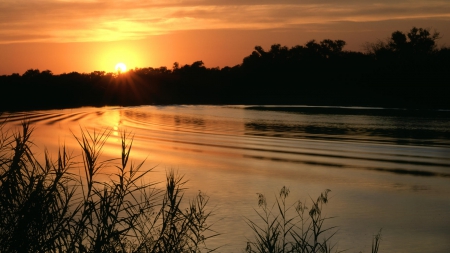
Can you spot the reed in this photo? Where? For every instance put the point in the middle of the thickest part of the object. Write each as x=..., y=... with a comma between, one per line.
x=46, y=208
x=294, y=228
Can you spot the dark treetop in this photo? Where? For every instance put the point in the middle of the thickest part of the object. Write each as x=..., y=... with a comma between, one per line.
x=406, y=70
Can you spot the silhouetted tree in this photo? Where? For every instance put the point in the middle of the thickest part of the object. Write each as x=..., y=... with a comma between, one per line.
x=418, y=41
x=31, y=73
x=47, y=73
x=331, y=47
x=422, y=41
x=406, y=70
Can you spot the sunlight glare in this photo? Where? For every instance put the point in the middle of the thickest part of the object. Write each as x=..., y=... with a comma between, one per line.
x=121, y=67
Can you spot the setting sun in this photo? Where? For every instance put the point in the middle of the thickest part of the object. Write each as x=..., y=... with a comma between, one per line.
x=121, y=67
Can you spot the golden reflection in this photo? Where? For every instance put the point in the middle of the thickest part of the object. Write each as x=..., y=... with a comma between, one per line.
x=113, y=120
x=232, y=153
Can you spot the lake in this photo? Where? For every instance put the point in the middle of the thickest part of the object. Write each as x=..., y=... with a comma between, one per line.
x=387, y=169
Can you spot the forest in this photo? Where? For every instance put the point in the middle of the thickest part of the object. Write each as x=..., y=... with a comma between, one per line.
x=407, y=70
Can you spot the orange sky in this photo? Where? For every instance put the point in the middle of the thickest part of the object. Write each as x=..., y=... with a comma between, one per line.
x=88, y=35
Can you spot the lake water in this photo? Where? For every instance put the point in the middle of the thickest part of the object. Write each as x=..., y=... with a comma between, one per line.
x=387, y=169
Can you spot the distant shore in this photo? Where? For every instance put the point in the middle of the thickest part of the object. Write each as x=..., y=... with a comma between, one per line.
x=408, y=71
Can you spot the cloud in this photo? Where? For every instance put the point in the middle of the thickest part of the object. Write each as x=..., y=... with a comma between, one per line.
x=101, y=20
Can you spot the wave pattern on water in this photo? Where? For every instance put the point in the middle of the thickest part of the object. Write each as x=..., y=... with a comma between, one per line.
x=359, y=141
x=380, y=163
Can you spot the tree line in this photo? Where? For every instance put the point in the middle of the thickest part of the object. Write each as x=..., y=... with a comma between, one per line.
x=406, y=70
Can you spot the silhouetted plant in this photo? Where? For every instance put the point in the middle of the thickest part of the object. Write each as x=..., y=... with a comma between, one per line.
x=376, y=242
x=416, y=41
x=281, y=232
x=46, y=208
x=34, y=198
x=291, y=228
x=406, y=70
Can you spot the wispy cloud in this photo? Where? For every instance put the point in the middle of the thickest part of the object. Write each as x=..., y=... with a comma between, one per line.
x=101, y=20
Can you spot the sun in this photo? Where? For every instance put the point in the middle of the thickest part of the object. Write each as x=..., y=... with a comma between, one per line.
x=121, y=67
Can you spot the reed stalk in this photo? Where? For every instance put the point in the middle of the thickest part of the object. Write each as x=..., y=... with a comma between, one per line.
x=46, y=208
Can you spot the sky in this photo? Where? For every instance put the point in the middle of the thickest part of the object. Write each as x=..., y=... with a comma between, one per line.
x=94, y=35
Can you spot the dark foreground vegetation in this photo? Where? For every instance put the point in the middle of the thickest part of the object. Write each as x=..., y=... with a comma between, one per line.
x=406, y=70
x=63, y=206
x=54, y=207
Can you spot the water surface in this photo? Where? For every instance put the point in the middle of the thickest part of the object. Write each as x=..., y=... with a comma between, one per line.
x=387, y=169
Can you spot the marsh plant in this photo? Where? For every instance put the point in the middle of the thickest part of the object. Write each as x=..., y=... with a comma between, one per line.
x=286, y=228
x=45, y=207
x=66, y=206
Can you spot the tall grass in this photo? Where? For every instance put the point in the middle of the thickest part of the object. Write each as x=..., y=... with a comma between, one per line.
x=46, y=208
x=294, y=228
